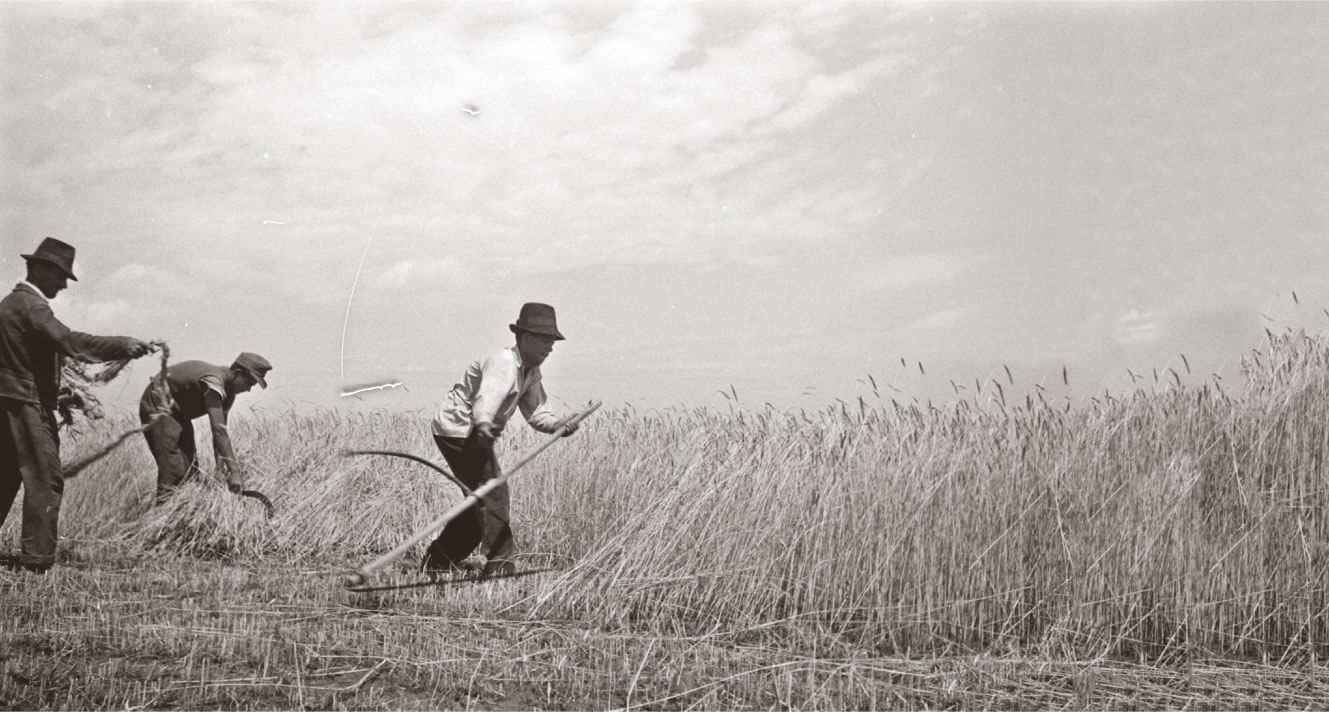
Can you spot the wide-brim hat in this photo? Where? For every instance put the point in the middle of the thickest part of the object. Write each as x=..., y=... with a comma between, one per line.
x=56, y=252
x=254, y=365
x=537, y=318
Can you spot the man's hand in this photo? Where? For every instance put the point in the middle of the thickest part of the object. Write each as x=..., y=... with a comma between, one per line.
x=235, y=476
x=487, y=433
x=137, y=348
x=566, y=423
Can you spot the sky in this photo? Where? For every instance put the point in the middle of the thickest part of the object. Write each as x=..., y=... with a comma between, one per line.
x=794, y=204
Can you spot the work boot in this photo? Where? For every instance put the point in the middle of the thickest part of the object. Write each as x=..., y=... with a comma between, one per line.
x=456, y=542
x=448, y=569
x=17, y=564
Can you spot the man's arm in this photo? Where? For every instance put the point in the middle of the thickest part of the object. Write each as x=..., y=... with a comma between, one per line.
x=534, y=405
x=84, y=347
x=227, y=465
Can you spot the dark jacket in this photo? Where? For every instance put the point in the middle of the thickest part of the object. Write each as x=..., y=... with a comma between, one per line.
x=32, y=342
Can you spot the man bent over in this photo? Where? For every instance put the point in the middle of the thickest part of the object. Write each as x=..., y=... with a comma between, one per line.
x=190, y=390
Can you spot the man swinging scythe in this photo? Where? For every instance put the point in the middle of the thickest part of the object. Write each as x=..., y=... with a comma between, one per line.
x=471, y=418
x=465, y=427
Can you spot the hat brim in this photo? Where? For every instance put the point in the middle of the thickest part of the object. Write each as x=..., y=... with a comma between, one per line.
x=39, y=258
x=543, y=332
x=260, y=380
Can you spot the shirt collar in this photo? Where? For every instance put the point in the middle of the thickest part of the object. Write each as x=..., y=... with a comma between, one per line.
x=522, y=368
x=35, y=289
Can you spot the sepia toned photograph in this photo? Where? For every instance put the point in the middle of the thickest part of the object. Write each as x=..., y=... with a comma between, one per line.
x=664, y=355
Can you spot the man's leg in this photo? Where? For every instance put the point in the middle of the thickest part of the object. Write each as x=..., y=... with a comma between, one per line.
x=498, y=540
x=31, y=451
x=461, y=535
x=189, y=448
x=10, y=477
x=165, y=437
x=48, y=482
x=496, y=529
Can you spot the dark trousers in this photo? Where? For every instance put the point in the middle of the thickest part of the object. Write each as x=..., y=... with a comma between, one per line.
x=30, y=458
x=486, y=524
x=171, y=442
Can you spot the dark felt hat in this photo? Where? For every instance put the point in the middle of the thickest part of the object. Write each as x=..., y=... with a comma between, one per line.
x=536, y=318
x=58, y=253
x=256, y=365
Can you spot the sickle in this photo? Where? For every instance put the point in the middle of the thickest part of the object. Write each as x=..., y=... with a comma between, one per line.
x=267, y=503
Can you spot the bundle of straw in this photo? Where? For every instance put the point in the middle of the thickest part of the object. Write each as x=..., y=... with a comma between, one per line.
x=77, y=381
x=77, y=394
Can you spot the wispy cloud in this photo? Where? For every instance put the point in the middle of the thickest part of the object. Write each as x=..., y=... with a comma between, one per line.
x=640, y=145
x=417, y=274
x=1136, y=327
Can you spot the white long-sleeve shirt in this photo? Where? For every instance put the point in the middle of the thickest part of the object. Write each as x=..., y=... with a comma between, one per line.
x=491, y=391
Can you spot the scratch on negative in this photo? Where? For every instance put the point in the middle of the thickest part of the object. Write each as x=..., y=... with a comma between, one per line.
x=370, y=388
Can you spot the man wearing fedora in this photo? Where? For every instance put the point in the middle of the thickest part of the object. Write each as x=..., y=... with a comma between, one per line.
x=32, y=343
x=190, y=390
x=468, y=422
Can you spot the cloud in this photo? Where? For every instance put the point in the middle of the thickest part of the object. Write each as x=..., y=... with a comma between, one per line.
x=821, y=92
x=916, y=270
x=670, y=137
x=144, y=281
x=93, y=317
x=418, y=273
x=939, y=320
x=630, y=142
x=1135, y=328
